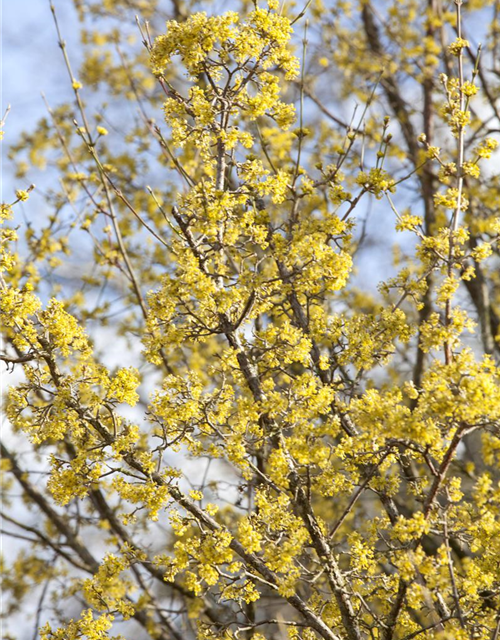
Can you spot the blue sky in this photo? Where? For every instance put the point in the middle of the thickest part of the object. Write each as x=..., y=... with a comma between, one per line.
x=31, y=64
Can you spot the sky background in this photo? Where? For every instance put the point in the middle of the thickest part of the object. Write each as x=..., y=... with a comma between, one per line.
x=32, y=63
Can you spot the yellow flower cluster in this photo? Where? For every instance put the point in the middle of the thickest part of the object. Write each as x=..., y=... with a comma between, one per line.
x=455, y=48
x=108, y=588
x=207, y=45
x=87, y=626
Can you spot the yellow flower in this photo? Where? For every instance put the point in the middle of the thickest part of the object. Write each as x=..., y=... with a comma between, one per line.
x=455, y=48
x=22, y=195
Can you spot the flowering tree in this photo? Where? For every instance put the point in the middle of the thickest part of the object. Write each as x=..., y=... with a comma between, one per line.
x=306, y=457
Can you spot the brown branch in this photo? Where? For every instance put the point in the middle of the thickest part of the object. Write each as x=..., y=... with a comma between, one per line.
x=45, y=540
x=396, y=102
x=451, y=570
x=427, y=187
x=388, y=632
x=91, y=565
x=58, y=521
x=442, y=471
x=19, y=359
